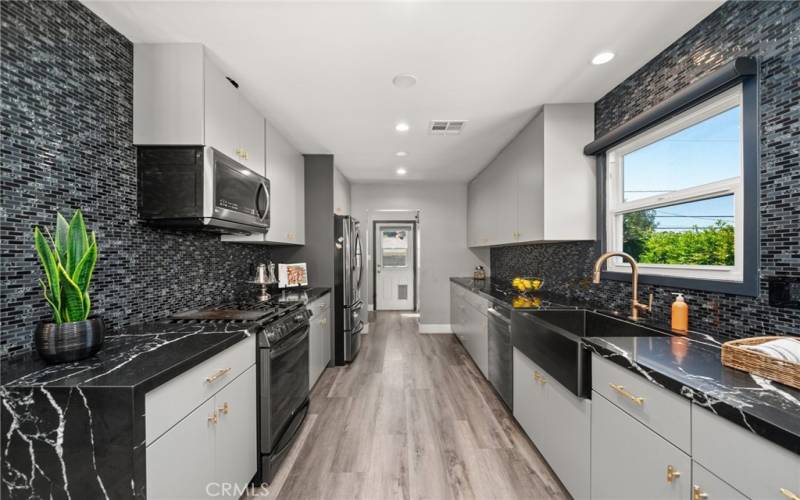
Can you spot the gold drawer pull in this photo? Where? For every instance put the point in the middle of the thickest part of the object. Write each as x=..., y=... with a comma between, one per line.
x=698, y=494
x=788, y=494
x=224, y=409
x=620, y=389
x=213, y=418
x=672, y=473
x=217, y=374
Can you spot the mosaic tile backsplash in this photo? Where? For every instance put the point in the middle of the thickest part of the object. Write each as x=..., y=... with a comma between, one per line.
x=770, y=31
x=67, y=130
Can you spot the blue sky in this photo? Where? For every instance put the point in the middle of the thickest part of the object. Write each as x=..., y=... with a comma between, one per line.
x=706, y=152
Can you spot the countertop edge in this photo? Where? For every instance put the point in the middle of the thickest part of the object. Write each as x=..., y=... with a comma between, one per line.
x=768, y=430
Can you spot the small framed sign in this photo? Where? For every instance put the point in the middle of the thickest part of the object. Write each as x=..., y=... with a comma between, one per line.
x=292, y=275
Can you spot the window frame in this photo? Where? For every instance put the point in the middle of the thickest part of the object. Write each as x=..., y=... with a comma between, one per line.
x=616, y=207
x=742, y=71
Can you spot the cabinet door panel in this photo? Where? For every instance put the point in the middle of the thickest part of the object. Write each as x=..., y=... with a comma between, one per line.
x=529, y=400
x=222, y=105
x=557, y=421
x=180, y=464
x=236, y=454
x=250, y=136
x=706, y=483
x=530, y=182
x=631, y=461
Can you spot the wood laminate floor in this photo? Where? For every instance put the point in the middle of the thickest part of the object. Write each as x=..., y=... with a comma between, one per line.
x=411, y=418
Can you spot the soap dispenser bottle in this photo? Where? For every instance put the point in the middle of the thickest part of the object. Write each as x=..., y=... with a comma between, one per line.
x=680, y=314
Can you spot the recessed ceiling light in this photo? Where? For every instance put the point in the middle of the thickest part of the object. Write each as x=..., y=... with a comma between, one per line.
x=401, y=171
x=401, y=154
x=404, y=80
x=402, y=127
x=602, y=57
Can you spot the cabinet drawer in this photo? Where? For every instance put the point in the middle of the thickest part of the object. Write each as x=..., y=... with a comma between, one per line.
x=320, y=305
x=659, y=409
x=167, y=404
x=476, y=301
x=714, y=488
x=631, y=461
x=750, y=463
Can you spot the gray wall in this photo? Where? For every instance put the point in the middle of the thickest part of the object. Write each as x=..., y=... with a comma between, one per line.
x=443, y=236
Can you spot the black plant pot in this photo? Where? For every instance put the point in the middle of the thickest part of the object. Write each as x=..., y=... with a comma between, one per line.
x=69, y=341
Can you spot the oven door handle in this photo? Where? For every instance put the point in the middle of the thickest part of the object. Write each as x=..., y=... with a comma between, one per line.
x=284, y=348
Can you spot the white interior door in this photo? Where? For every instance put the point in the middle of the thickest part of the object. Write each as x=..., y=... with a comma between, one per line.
x=394, y=266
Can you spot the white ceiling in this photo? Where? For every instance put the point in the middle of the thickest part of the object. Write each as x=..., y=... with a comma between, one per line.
x=322, y=72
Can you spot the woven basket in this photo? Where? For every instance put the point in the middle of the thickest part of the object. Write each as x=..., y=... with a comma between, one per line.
x=735, y=356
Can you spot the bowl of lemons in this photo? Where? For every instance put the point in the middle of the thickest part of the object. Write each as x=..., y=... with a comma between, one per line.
x=527, y=284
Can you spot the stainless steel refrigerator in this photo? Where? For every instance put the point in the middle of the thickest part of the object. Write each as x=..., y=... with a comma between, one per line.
x=348, y=275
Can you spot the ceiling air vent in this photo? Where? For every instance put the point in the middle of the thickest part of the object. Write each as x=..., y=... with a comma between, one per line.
x=446, y=127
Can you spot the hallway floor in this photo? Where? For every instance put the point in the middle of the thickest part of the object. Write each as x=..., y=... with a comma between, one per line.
x=412, y=417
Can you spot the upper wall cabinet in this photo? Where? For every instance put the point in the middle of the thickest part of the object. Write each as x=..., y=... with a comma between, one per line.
x=286, y=173
x=540, y=187
x=341, y=193
x=180, y=97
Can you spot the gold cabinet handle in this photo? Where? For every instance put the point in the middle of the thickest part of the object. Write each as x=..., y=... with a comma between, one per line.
x=698, y=494
x=213, y=418
x=788, y=494
x=224, y=409
x=217, y=374
x=672, y=473
x=620, y=389
x=539, y=378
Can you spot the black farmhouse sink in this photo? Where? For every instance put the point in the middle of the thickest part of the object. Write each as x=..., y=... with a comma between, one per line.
x=552, y=340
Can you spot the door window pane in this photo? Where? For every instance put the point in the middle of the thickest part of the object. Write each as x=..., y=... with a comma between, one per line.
x=394, y=247
x=705, y=152
x=698, y=232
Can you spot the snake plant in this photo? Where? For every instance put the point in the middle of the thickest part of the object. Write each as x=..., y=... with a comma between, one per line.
x=68, y=262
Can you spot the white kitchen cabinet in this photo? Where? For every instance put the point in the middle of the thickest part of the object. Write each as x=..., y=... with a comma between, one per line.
x=181, y=97
x=181, y=462
x=319, y=343
x=714, y=488
x=557, y=421
x=214, y=443
x=746, y=461
x=629, y=460
x=471, y=325
x=236, y=455
x=285, y=170
x=341, y=193
x=540, y=187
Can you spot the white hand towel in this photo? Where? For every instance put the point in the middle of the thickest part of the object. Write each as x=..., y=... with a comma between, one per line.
x=787, y=349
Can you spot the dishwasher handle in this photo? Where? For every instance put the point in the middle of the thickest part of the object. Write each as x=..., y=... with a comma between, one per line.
x=496, y=314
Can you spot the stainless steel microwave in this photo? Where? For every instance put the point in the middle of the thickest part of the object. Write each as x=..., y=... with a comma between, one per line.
x=199, y=187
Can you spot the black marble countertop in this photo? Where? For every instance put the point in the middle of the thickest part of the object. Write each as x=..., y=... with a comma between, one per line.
x=688, y=365
x=140, y=357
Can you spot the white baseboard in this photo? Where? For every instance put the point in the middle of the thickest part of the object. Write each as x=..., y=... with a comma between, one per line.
x=435, y=328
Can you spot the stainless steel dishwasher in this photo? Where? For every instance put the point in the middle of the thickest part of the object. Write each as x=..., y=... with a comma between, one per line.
x=501, y=357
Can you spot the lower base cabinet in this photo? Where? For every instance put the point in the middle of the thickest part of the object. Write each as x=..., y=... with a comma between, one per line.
x=557, y=421
x=631, y=461
x=319, y=338
x=210, y=453
x=706, y=485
